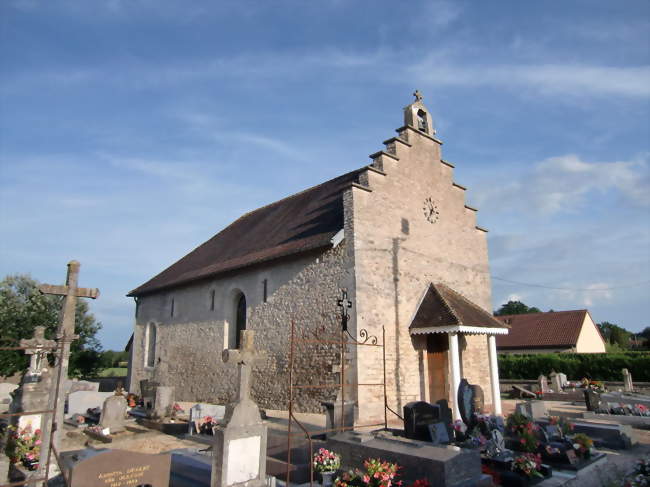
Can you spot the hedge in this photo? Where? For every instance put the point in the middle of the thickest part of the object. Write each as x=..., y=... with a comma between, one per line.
x=597, y=366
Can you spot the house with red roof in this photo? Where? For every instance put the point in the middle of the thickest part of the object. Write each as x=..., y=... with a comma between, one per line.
x=551, y=332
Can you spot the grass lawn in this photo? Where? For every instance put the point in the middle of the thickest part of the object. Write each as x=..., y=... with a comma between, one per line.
x=113, y=372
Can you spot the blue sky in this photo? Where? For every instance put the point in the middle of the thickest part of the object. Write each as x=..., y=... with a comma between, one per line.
x=132, y=131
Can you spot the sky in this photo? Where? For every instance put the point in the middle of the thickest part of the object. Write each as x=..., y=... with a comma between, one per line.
x=132, y=131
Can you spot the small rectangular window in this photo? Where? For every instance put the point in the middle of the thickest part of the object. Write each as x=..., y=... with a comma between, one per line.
x=172, y=310
x=265, y=291
x=212, y=300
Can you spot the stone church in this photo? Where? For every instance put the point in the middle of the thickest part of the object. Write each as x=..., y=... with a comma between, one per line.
x=396, y=234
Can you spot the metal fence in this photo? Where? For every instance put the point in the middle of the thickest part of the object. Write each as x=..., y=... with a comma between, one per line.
x=344, y=340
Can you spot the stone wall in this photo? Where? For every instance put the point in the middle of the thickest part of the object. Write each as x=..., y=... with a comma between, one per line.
x=189, y=344
x=398, y=252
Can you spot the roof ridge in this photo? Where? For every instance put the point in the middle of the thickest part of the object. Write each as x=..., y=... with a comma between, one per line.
x=444, y=301
x=543, y=313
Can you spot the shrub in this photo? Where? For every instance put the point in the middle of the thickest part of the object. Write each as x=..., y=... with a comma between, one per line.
x=601, y=366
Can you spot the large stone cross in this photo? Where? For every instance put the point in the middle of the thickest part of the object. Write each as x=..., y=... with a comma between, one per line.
x=66, y=334
x=37, y=347
x=244, y=357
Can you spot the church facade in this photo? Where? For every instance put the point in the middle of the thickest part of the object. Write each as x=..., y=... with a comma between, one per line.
x=397, y=235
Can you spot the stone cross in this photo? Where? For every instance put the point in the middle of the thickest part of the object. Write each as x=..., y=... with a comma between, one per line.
x=628, y=386
x=244, y=357
x=543, y=384
x=38, y=347
x=418, y=96
x=556, y=381
x=65, y=333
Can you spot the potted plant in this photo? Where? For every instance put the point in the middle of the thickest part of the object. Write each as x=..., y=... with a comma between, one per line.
x=378, y=473
x=24, y=446
x=528, y=465
x=326, y=463
x=582, y=444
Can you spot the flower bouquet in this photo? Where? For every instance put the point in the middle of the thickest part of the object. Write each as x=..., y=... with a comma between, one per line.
x=378, y=474
x=528, y=464
x=326, y=463
x=524, y=430
x=582, y=444
x=24, y=446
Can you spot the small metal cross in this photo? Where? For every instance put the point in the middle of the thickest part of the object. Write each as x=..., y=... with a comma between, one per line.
x=418, y=96
x=344, y=303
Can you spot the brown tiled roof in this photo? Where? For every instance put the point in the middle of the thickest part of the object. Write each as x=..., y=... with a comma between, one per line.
x=442, y=306
x=299, y=223
x=542, y=330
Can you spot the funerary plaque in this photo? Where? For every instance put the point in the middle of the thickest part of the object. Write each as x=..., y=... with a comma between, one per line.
x=439, y=433
x=120, y=468
x=243, y=459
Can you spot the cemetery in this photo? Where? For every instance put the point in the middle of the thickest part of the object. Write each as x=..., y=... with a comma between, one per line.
x=350, y=368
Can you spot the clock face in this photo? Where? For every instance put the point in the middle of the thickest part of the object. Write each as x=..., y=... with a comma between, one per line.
x=431, y=212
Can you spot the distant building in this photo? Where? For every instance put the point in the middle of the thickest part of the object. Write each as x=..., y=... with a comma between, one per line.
x=552, y=332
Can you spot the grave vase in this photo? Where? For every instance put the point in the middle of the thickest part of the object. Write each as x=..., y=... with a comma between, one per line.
x=326, y=479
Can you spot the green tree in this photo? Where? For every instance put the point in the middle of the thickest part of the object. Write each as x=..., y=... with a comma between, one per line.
x=615, y=335
x=23, y=307
x=515, y=308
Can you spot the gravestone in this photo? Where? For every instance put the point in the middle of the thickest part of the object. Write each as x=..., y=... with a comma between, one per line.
x=556, y=382
x=239, y=451
x=148, y=393
x=163, y=402
x=563, y=380
x=439, y=433
x=75, y=385
x=628, y=386
x=33, y=396
x=542, y=382
x=334, y=410
x=532, y=409
x=470, y=402
x=81, y=401
x=113, y=414
x=116, y=468
x=593, y=400
x=5, y=395
x=418, y=415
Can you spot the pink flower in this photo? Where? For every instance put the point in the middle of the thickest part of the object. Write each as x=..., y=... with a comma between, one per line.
x=366, y=479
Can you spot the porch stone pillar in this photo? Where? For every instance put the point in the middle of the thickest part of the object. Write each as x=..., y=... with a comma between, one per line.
x=494, y=374
x=455, y=371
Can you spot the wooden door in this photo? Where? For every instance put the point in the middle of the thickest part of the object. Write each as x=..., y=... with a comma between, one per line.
x=437, y=363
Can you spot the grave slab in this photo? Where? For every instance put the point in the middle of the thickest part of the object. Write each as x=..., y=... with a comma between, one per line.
x=614, y=436
x=444, y=466
x=79, y=402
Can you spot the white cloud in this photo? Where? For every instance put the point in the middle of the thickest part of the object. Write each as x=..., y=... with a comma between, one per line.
x=548, y=79
x=564, y=183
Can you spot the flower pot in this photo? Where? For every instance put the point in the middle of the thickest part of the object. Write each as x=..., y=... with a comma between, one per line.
x=326, y=479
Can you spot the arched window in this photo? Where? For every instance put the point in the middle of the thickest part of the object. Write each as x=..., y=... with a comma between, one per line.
x=241, y=317
x=422, y=121
x=150, y=351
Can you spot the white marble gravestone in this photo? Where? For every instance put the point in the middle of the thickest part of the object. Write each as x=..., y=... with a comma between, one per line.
x=239, y=453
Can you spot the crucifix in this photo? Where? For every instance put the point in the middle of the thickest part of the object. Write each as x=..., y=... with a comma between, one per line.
x=244, y=357
x=65, y=335
x=344, y=303
x=37, y=348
